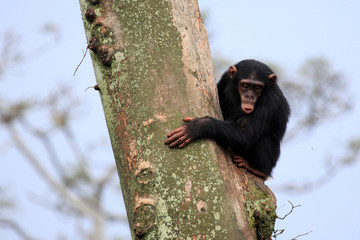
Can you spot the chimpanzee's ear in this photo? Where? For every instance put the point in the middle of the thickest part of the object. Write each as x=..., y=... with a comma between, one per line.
x=272, y=77
x=232, y=71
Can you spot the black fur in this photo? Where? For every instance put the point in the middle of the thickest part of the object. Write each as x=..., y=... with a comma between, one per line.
x=255, y=136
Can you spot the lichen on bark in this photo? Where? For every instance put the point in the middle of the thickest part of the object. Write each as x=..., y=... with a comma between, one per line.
x=260, y=206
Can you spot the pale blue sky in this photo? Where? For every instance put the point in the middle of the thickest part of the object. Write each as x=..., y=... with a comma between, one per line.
x=280, y=31
x=287, y=33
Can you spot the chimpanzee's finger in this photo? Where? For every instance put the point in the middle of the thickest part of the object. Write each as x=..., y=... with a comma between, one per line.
x=176, y=131
x=186, y=142
x=188, y=119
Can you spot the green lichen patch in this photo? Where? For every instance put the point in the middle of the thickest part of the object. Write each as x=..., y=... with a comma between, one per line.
x=260, y=210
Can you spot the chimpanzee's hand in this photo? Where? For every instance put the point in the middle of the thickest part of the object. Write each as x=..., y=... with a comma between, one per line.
x=179, y=137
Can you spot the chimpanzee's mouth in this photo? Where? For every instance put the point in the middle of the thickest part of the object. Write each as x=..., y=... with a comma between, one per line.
x=247, y=108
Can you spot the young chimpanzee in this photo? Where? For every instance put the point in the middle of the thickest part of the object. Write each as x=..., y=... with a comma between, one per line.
x=255, y=114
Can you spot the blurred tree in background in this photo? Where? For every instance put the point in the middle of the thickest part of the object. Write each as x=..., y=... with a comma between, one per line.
x=42, y=131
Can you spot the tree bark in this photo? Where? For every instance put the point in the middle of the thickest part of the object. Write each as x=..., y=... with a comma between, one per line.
x=153, y=68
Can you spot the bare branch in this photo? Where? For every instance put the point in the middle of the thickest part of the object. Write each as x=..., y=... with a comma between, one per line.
x=292, y=208
x=77, y=202
x=321, y=93
x=116, y=218
x=73, y=143
x=277, y=233
x=16, y=228
x=352, y=151
x=301, y=235
x=107, y=176
x=82, y=59
x=48, y=146
x=9, y=51
x=314, y=184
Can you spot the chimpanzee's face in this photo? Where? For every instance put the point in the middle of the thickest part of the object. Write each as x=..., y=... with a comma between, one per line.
x=249, y=90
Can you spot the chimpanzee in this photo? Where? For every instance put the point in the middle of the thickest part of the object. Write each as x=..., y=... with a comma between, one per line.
x=255, y=114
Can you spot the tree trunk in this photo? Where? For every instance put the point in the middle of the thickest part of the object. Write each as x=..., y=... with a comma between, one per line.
x=153, y=68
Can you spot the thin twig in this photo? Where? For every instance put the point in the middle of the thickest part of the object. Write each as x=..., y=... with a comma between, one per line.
x=277, y=233
x=301, y=235
x=84, y=54
x=292, y=208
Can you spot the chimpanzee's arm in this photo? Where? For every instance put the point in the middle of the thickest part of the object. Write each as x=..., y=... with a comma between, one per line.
x=225, y=133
